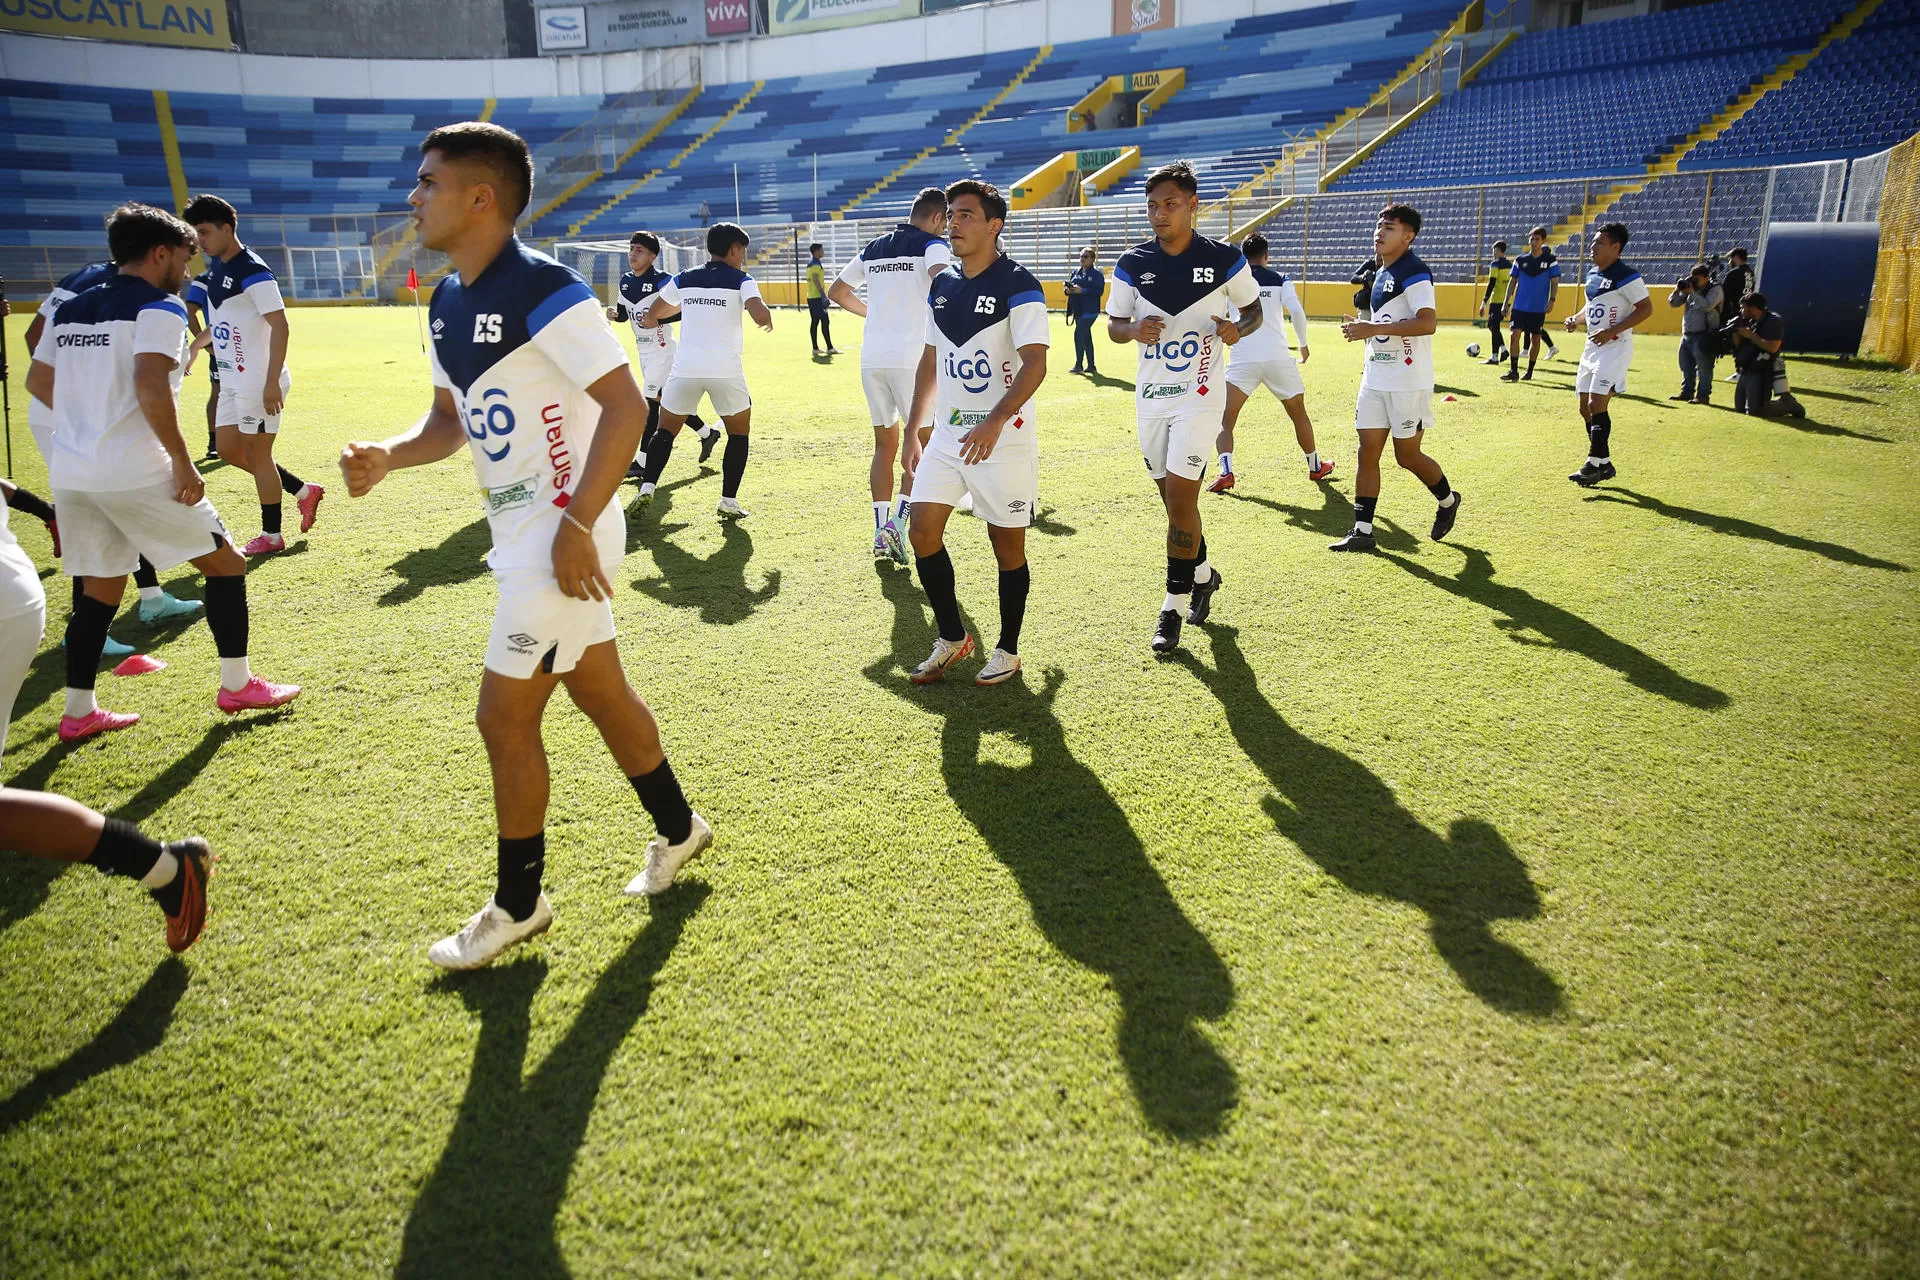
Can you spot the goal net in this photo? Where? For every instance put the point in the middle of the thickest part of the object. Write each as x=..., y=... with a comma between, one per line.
x=601, y=263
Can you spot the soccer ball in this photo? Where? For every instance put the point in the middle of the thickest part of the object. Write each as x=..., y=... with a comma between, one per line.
x=1473, y=351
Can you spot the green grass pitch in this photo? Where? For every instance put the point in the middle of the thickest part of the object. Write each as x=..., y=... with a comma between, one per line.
x=1538, y=903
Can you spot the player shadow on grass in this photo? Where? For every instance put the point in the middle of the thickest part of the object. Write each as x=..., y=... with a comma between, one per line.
x=1735, y=527
x=1348, y=821
x=460, y=557
x=1524, y=612
x=1104, y=380
x=138, y=1029
x=1092, y=890
x=489, y=1206
x=716, y=585
x=1333, y=518
x=1811, y=427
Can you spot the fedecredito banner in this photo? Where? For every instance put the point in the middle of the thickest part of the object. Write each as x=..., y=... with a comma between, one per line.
x=787, y=17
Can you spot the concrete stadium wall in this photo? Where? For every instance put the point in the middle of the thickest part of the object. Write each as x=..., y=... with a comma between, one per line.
x=383, y=28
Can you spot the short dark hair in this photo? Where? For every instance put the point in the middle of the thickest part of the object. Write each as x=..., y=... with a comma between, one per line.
x=1700, y=269
x=1501, y=245
x=992, y=203
x=501, y=152
x=722, y=236
x=1254, y=246
x=1755, y=300
x=1404, y=214
x=1740, y=253
x=1179, y=173
x=646, y=239
x=930, y=200
x=206, y=208
x=1616, y=232
x=816, y=247
x=1537, y=231
x=135, y=230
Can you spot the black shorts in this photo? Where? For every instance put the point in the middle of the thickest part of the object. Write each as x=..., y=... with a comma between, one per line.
x=1529, y=322
x=1494, y=311
x=818, y=306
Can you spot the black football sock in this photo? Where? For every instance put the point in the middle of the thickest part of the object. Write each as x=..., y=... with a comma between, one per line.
x=123, y=850
x=826, y=330
x=657, y=454
x=666, y=804
x=292, y=483
x=1513, y=358
x=1180, y=576
x=522, y=862
x=145, y=576
x=697, y=422
x=936, y=579
x=79, y=590
x=1533, y=354
x=733, y=465
x=227, y=614
x=30, y=504
x=1363, y=513
x=1013, y=606
x=86, y=638
x=270, y=517
x=1599, y=430
x=1441, y=491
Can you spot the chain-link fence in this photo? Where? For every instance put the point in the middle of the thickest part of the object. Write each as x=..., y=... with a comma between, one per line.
x=1893, y=318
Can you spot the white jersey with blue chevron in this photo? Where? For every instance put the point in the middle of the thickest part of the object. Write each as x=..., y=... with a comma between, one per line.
x=1187, y=291
x=242, y=293
x=978, y=325
x=102, y=442
x=895, y=268
x=1277, y=299
x=712, y=301
x=1612, y=294
x=1396, y=362
x=637, y=292
x=519, y=347
x=74, y=283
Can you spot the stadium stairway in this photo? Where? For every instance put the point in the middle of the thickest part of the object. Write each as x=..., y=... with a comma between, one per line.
x=645, y=140
x=1723, y=120
x=574, y=228
x=952, y=139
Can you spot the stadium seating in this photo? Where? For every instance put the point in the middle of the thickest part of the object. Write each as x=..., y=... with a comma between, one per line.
x=1600, y=100
x=1861, y=95
x=70, y=152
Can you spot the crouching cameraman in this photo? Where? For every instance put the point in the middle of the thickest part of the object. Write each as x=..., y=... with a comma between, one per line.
x=1703, y=299
x=1757, y=335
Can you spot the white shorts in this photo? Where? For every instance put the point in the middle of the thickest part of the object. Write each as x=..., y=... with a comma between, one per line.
x=103, y=535
x=1603, y=367
x=1005, y=488
x=889, y=395
x=1280, y=375
x=728, y=395
x=1181, y=443
x=244, y=407
x=656, y=367
x=538, y=627
x=1405, y=413
x=20, y=637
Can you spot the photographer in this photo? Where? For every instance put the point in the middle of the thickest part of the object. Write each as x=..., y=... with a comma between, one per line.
x=1758, y=335
x=1703, y=300
x=1738, y=282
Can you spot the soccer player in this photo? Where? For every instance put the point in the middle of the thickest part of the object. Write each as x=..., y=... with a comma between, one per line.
x=527, y=373
x=1086, y=291
x=897, y=269
x=709, y=363
x=1617, y=300
x=42, y=825
x=985, y=355
x=1396, y=384
x=123, y=481
x=638, y=287
x=199, y=318
x=1532, y=291
x=819, y=321
x=1172, y=295
x=23, y=614
x=1262, y=360
x=1493, y=303
x=249, y=325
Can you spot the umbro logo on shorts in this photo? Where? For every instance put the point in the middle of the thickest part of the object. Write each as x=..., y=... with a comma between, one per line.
x=1194, y=459
x=521, y=642
x=1018, y=504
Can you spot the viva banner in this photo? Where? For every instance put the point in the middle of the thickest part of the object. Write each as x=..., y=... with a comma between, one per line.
x=638, y=24
x=787, y=17
x=1130, y=16
x=199, y=26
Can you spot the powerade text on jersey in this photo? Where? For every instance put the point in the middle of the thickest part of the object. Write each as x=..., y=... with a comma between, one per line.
x=894, y=268
x=1612, y=294
x=1187, y=291
x=979, y=325
x=102, y=442
x=1396, y=362
x=636, y=296
x=518, y=347
x=712, y=301
x=241, y=293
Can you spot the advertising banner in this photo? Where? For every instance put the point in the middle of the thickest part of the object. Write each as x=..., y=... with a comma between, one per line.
x=609, y=27
x=200, y=25
x=729, y=18
x=788, y=17
x=1130, y=16
x=941, y=6
x=562, y=29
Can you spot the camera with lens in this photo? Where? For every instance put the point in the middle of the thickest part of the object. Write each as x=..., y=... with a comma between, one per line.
x=1363, y=277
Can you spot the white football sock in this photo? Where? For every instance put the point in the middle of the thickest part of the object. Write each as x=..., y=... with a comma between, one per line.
x=1363, y=526
x=902, y=506
x=300, y=495
x=1176, y=603
x=1451, y=499
x=151, y=593
x=880, y=509
x=164, y=869
x=1313, y=459
x=234, y=674
x=1202, y=573
x=80, y=703
x=1226, y=463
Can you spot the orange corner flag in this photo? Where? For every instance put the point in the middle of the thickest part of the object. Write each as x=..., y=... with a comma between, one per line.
x=413, y=278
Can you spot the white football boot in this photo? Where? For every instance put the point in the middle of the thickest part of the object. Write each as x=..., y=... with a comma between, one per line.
x=945, y=653
x=665, y=860
x=490, y=932
x=1001, y=667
